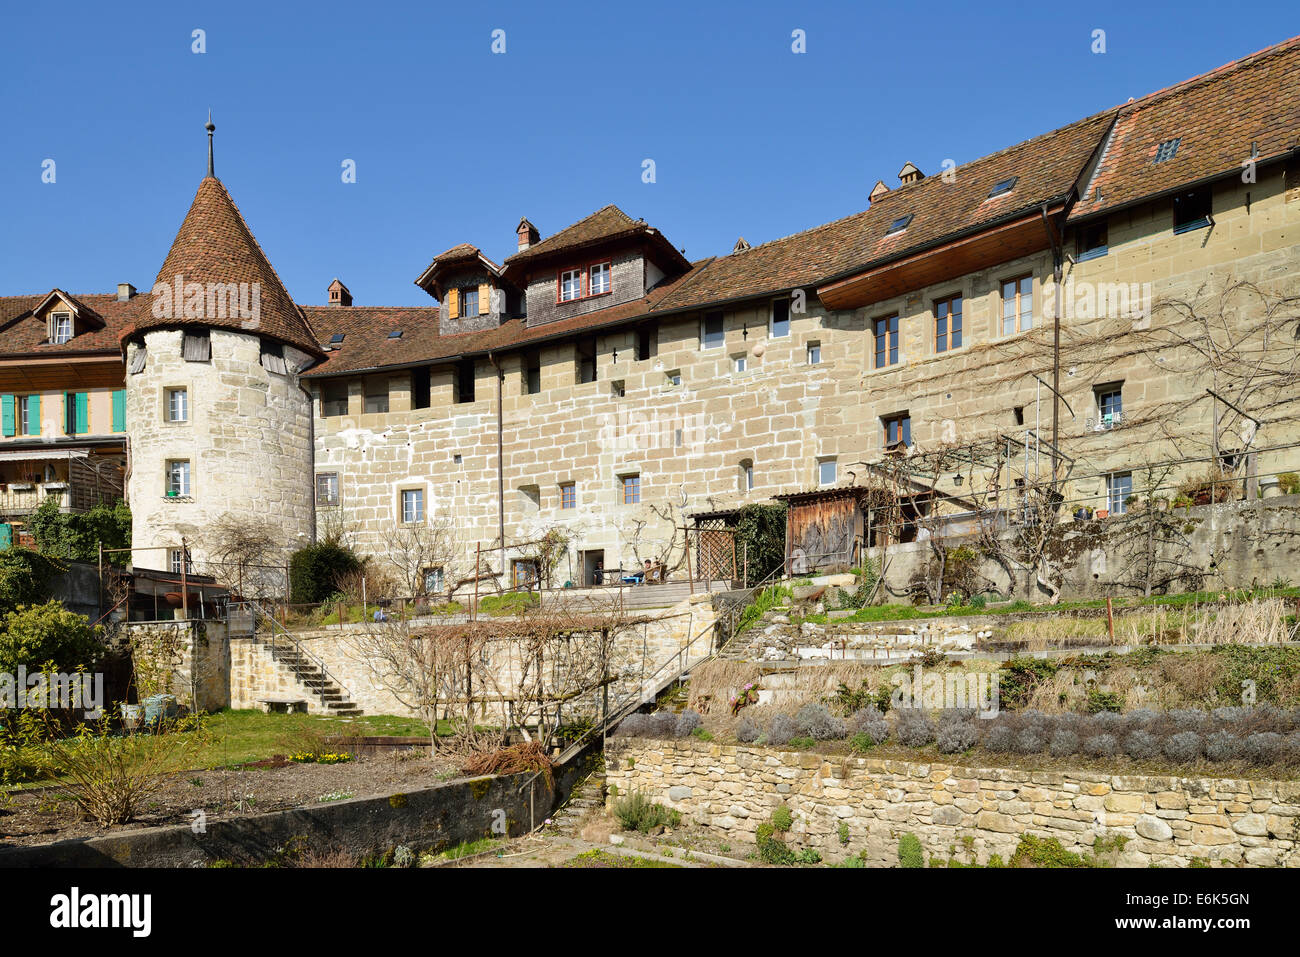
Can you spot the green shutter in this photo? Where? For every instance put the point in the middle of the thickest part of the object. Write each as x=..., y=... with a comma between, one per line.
x=33, y=415
x=119, y=410
x=6, y=536
x=7, y=414
x=83, y=413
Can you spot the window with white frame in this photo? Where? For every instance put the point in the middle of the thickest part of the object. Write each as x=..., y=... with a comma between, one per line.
x=327, y=488
x=1119, y=489
x=178, y=405
x=61, y=327
x=1017, y=305
x=570, y=285
x=739, y=363
x=598, y=279
x=814, y=353
x=178, y=560
x=178, y=477
x=412, y=506
x=746, y=475
x=826, y=472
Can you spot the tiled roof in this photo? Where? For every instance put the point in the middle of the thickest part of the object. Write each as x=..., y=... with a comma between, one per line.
x=215, y=245
x=366, y=344
x=608, y=222
x=21, y=334
x=1217, y=116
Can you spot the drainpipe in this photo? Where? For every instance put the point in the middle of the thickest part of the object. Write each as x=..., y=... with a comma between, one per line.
x=1057, y=270
x=501, y=474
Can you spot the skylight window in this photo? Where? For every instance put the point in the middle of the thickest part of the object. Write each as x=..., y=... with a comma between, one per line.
x=1003, y=187
x=1167, y=150
x=395, y=334
x=898, y=225
x=336, y=339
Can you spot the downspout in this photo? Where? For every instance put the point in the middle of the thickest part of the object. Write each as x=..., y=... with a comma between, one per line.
x=1057, y=270
x=501, y=473
x=311, y=446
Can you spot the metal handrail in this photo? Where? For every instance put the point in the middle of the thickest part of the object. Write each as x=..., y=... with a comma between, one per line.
x=632, y=701
x=257, y=610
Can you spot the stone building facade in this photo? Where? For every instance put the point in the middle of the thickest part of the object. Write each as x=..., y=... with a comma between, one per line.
x=597, y=383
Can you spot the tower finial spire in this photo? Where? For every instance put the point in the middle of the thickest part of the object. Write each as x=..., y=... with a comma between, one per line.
x=209, y=127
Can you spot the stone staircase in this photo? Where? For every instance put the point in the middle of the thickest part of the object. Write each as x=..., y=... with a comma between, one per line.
x=314, y=680
x=588, y=798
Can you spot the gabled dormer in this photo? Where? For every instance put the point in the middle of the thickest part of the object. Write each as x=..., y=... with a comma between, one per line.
x=471, y=289
x=65, y=317
x=604, y=260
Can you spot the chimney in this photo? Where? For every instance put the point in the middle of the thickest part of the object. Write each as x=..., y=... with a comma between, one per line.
x=339, y=295
x=910, y=174
x=528, y=234
x=877, y=191
x=125, y=291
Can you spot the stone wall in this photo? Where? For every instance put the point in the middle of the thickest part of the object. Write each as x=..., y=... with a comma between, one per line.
x=638, y=652
x=1167, y=821
x=190, y=659
x=1233, y=544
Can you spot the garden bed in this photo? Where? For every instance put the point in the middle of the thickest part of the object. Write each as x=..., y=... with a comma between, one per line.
x=42, y=815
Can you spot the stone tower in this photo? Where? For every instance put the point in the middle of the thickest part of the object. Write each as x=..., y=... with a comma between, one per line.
x=219, y=424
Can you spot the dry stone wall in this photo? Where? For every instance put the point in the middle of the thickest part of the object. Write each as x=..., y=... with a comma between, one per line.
x=1167, y=821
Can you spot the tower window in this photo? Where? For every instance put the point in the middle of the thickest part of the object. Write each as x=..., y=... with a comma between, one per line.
x=412, y=506
x=178, y=405
x=327, y=488
x=178, y=477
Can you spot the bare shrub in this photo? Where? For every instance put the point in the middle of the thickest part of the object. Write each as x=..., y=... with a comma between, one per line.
x=913, y=727
x=1063, y=743
x=999, y=738
x=662, y=724
x=747, y=730
x=958, y=730
x=1029, y=740
x=1264, y=747
x=1183, y=747
x=1101, y=746
x=781, y=729
x=633, y=726
x=815, y=721
x=687, y=722
x=109, y=776
x=1141, y=745
x=1223, y=746
x=871, y=722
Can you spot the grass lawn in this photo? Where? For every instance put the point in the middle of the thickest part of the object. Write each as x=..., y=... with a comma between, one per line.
x=236, y=737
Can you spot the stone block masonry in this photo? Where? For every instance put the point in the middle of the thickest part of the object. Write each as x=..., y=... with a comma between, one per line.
x=1165, y=821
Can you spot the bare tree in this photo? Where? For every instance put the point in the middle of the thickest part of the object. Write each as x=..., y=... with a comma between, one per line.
x=247, y=554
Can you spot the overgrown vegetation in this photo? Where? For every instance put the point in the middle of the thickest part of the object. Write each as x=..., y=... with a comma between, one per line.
x=78, y=535
x=315, y=571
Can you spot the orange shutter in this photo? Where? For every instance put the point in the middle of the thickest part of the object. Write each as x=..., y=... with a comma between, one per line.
x=453, y=303
x=485, y=298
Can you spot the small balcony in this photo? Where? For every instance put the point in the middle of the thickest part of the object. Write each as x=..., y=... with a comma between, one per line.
x=75, y=481
x=1105, y=421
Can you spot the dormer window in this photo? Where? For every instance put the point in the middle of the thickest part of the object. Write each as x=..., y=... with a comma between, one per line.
x=594, y=280
x=898, y=225
x=570, y=285
x=60, y=327
x=469, y=302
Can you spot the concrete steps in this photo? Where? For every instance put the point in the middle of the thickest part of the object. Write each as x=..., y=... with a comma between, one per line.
x=314, y=681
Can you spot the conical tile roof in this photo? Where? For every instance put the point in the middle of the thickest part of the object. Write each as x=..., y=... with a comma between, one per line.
x=215, y=245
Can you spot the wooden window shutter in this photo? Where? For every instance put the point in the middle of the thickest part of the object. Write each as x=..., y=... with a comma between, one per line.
x=33, y=415
x=119, y=410
x=7, y=414
x=453, y=303
x=484, y=298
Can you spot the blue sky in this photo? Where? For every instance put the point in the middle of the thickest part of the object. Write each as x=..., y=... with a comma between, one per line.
x=453, y=143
